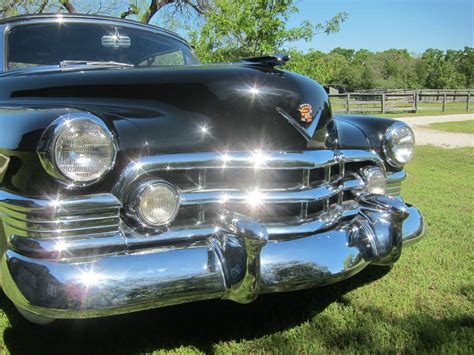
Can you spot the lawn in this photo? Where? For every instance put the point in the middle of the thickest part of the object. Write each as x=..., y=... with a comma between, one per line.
x=423, y=304
x=456, y=127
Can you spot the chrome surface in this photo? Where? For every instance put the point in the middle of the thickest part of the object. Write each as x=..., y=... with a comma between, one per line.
x=238, y=245
x=368, y=173
x=91, y=216
x=377, y=231
x=95, y=64
x=221, y=192
x=77, y=258
x=299, y=195
x=48, y=139
x=394, y=183
x=388, y=142
x=133, y=199
x=234, y=262
x=414, y=227
x=309, y=159
x=116, y=41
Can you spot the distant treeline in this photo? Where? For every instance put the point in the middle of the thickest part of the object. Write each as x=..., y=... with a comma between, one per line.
x=393, y=69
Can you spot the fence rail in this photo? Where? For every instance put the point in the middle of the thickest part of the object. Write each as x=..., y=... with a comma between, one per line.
x=396, y=102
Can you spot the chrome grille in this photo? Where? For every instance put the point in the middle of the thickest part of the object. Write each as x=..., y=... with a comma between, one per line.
x=91, y=216
x=268, y=186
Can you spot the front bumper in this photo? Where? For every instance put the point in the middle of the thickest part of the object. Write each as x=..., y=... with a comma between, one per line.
x=235, y=260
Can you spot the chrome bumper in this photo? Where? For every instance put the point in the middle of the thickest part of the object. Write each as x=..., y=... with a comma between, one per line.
x=235, y=260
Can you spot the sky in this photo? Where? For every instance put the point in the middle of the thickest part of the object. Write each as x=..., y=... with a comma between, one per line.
x=383, y=24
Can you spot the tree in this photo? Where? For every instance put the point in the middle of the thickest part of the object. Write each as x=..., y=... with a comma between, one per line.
x=146, y=13
x=246, y=28
x=141, y=10
x=18, y=7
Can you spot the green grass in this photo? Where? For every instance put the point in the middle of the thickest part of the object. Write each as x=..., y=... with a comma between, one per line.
x=423, y=304
x=456, y=127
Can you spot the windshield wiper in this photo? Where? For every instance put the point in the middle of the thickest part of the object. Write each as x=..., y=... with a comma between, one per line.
x=93, y=64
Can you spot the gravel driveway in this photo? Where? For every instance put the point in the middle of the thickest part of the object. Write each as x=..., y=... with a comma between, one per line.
x=426, y=135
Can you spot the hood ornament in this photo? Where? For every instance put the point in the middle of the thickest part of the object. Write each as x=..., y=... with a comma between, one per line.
x=308, y=121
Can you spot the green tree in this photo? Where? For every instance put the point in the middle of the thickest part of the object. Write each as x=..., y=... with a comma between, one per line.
x=244, y=28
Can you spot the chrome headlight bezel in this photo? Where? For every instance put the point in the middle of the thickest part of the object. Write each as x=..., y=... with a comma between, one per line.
x=133, y=199
x=47, y=144
x=388, y=144
x=368, y=174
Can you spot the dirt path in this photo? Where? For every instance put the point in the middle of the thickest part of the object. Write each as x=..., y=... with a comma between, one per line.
x=426, y=135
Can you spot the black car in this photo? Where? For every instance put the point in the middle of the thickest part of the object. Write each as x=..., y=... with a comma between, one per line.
x=134, y=177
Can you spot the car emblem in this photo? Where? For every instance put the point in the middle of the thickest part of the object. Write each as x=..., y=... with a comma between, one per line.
x=306, y=111
x=307, y=123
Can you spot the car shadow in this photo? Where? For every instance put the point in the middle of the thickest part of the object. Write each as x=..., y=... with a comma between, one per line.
x=198, y=324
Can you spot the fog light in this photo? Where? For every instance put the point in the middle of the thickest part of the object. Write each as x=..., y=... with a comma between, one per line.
x=158, y=204
x=375, y=180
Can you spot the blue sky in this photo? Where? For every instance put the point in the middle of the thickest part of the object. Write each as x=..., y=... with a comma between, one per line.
x=383, y=24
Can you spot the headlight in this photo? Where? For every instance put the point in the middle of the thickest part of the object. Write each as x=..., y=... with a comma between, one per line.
x=399, y=144
x=375, y=180
x=78, y=149
x=158, y=204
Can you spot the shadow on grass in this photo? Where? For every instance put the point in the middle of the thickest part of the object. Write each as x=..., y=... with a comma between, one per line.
x=199, y=324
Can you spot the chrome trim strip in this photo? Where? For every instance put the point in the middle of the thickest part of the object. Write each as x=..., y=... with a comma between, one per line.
x=394, y=183
x=396, y=177
x=93, y=215
x=309, y=159
x=58, y=204
x=128, y=240
x=269, y=196
x=58, y=248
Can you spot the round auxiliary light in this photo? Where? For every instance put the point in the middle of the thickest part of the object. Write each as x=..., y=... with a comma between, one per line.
x=399, y=144
x=375, y=180
x=158, y=204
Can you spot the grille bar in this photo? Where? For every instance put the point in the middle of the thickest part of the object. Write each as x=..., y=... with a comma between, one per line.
x=97, y=215
x=394, y=183
x=302, y=195
x=309, y=159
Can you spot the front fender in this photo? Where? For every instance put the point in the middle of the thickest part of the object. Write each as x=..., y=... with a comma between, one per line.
x=21, y=129
x=359, y=132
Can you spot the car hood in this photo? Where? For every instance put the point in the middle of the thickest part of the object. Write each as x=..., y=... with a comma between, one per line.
x=188, y=108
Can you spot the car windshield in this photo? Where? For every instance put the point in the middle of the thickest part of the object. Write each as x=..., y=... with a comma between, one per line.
x=53, y=43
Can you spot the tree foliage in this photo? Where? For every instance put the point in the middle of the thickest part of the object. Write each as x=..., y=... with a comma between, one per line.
x=245, y=28
x=394, y=68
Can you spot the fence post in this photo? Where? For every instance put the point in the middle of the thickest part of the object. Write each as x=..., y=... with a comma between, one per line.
x=382, y=103
x=444, y=103
x=348, y=99
x=415, y=101
x=468, y=100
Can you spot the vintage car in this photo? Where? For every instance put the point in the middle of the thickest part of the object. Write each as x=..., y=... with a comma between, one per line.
x=134, y=177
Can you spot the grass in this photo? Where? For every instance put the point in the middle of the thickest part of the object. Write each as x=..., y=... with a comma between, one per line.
x=423, y=304
x=456, y=127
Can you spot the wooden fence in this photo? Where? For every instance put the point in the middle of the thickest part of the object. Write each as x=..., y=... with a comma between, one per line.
x=396, y=102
